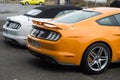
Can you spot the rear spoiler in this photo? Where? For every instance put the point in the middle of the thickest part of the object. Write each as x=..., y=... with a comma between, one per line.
x=44, y=24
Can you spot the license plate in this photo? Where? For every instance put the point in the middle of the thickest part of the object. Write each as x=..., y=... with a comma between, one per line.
x=35, y=43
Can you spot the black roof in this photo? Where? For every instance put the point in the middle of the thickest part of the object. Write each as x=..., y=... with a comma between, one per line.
x=50, y=11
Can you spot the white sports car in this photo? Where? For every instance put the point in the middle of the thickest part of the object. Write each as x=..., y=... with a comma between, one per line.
x=17, y=28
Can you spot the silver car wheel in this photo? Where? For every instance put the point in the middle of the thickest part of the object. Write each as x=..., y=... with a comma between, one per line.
x=97, y=58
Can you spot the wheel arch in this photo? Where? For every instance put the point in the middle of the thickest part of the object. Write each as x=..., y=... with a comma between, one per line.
x=27, y=2
x=84, y=65
x=95, y=43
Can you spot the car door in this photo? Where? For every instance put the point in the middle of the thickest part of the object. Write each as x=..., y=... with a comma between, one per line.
x=36, y=1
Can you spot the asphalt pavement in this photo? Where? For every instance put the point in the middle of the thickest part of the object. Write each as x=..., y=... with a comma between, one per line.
x=17, y=64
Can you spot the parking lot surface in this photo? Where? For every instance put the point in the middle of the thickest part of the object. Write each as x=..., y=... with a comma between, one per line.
x=17, y=64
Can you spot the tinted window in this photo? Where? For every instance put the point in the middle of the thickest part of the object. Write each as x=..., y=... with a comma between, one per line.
x=76, y=16
x=105, y=21
x=108, y=21
x=117, y=17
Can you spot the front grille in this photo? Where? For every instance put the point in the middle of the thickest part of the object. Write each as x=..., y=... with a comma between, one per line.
x=13, y=25
x=45, y=34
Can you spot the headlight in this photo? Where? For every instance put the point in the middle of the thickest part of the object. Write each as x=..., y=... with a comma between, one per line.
x=45, y=34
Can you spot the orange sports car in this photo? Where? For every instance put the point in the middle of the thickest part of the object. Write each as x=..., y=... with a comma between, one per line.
x=89, y=38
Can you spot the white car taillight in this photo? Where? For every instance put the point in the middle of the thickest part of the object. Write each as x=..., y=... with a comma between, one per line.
x=13, y=25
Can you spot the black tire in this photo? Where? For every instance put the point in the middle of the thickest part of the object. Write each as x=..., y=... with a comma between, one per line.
x=26, y=3
x=96, y=58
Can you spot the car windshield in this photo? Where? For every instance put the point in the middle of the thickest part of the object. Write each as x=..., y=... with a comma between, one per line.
x=76, y=16
x=33, y=12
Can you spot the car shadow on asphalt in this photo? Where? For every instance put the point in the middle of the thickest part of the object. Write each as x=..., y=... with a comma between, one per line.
x=114, y=65
x=13, y=45
x=38, y=63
